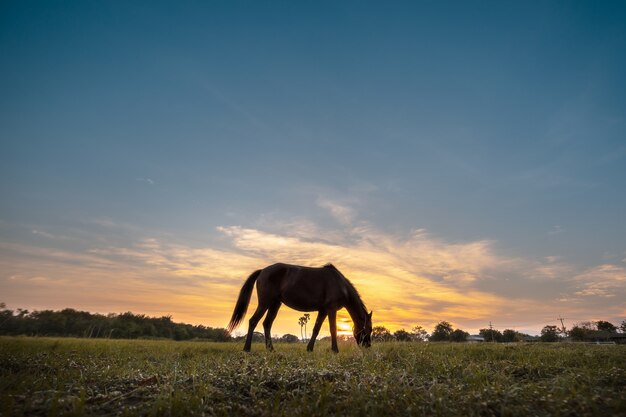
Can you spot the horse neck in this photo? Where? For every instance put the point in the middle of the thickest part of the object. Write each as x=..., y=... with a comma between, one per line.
x=356, y=311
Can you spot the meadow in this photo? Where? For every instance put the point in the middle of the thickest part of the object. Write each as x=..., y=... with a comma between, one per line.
x=65, y=377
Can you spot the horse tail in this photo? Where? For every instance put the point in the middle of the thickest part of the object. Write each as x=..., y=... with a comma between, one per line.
x=242, y=302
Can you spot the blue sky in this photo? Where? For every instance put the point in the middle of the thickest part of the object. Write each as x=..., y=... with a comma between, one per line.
x=199, y=126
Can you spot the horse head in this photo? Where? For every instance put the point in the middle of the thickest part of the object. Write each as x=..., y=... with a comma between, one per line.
x=363, y=331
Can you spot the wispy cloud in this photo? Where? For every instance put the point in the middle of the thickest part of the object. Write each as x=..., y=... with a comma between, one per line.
x=149, y=181
x=408, y=279
x=556, y=230
x=42, y=233
x=341, y=212
x=605, y=280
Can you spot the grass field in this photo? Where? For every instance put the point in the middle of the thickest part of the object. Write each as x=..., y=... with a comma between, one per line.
x=47, y=376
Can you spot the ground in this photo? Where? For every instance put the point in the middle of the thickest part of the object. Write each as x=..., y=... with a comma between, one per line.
x=48, y=376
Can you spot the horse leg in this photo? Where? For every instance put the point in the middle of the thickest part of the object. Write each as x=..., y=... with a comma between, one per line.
x=254, y=320
x=267, y=324
x=321, y=316
x=332, y=320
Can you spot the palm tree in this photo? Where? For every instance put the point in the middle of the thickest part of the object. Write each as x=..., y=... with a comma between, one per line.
x=302, y=321
x=307, y=317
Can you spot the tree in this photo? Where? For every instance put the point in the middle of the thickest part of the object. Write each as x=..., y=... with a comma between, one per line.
x=441, y=332
x=70, y=322
x=402, y=335
x=509, y=336
x=180, y=333
x=381, y=334
x=458, y=336
x=419, y=333
x=289, y=338
x=302, y=321
x=491, y=335
x=583, y=331
x=623, y=326
x=301, y=324
x=550, y=334
x=5, y=314
x=578, y=333
x=605, y=326
x=307, y=317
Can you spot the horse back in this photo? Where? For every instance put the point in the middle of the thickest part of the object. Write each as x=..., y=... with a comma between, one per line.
x=303, y=288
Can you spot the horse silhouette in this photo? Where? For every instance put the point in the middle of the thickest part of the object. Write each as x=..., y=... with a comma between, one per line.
x=302, y=288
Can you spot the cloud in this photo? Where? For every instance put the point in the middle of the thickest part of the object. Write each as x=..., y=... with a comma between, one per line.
x=602, y=281
x=195, y=285
x=343, y=213
x=556, y=230
x=44, y=234
x=417, y=278
x=145, y=180
x=409, y=279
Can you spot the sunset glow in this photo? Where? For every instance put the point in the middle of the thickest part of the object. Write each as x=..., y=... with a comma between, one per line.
x=410, y=280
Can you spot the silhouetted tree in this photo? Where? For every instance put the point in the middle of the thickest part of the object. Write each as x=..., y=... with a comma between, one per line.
x=381, y=334
x=606, y=326
x=491, y=335
x=458, y=335
x=592, y=331
x=302, y=321
x=402, y=335
x=623, y=326
x=307, y=317
x=509, y=336
x=550, y=334
x=70, y=322
x=582, y=331
x=578, y=333
x=289, y=338
x=441, y=332
x=419, y=333
x=5, y=316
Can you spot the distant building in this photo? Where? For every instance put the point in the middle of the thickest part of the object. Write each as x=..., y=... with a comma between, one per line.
x=475, y=338
x=601, y=336
x=619, y=338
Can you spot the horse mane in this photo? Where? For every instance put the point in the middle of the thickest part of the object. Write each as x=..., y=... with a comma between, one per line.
x=354, y=293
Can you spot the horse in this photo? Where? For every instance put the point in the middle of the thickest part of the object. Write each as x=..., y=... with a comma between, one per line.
x=302, y=288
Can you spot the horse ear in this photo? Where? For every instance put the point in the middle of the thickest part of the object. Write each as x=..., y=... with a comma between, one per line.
x=370, y=314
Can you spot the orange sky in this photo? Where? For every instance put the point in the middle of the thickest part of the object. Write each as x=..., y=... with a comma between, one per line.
x=407, y=280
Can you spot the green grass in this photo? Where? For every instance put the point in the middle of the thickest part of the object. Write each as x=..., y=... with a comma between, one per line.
x=47, y=376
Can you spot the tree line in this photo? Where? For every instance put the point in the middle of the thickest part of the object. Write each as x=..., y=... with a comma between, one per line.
x=74, y=323
x=444, y=332
x=589, y=331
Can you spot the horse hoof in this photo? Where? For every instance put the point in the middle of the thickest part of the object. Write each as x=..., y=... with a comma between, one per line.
x=308, y=349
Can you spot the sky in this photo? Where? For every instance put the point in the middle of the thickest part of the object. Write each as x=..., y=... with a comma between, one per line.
x=459, y=161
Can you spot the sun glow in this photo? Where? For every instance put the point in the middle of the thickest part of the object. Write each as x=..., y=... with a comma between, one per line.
x=344, y=328
x=408, y=281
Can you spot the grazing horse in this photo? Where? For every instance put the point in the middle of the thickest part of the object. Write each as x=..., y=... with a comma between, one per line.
x=302, y=288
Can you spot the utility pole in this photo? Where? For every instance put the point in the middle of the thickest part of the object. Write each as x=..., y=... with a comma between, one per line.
x=562, y=326
x=491, y=331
